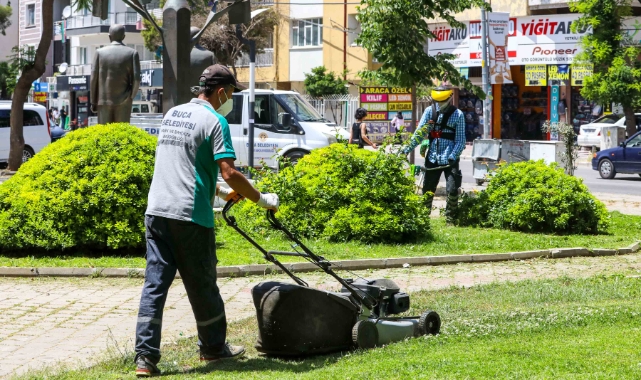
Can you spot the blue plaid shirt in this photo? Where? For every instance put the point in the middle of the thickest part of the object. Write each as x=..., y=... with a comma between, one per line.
x=441, y=150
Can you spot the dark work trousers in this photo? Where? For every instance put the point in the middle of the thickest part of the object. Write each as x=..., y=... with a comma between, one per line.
x=430, y=183
x=189, y=248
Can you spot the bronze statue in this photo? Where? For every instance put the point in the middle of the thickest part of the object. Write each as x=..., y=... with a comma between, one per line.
x=115, y=77
x=200, y=58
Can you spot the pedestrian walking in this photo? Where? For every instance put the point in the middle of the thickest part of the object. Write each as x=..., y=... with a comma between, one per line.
x=358, y=134
x=396, y=127
x=444, y=126
x=193, y=145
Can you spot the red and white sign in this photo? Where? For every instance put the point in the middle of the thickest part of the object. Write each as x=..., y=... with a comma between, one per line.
x=498, y=31
x=450, y=41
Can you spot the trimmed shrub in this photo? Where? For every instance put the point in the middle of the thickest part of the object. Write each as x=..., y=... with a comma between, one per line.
x=88, y=189
x=341, y=193
x=534, y=197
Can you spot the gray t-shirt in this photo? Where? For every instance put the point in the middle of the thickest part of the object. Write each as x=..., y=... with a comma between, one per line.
x=192, y=138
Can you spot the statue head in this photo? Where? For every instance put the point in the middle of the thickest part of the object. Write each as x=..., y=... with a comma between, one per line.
x=192, y=33
x=116, y=33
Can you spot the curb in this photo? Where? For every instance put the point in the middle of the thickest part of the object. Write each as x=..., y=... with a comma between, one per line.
x=264, y=269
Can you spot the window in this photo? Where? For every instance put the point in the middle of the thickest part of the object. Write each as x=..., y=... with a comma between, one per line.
x=635, y=142
x=354, y=29
x=307, y=32
x=299, y=109
x=31, y=14
x=608, y=119
x=5, y=115
x=236, y=114
x=262, y=114
x=31, y=118
x=82, y=55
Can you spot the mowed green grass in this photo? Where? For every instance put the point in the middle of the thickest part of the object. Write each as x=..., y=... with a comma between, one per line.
x=234, y=250
x=547, y=329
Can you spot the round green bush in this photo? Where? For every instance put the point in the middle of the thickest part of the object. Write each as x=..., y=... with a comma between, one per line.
x=341, y=193
x=88, y=190
x=532, y=196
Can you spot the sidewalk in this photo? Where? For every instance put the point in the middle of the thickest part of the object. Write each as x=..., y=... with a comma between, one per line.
x=48, y=321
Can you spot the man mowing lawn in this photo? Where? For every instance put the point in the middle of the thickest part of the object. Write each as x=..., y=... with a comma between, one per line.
x=193, y=143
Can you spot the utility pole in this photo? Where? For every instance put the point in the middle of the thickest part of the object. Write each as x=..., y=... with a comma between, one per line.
x=252, y=96
x=485, y=67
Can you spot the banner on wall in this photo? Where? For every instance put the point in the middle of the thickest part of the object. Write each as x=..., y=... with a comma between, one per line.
x=535, y=75
x=382, y=105
x=580, y=72
x=498, y=31
x=558, y=75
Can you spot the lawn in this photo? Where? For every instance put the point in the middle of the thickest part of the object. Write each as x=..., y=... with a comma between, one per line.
x=545, y=329
x=445, y=240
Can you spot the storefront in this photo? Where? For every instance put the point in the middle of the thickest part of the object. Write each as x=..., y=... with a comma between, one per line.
x=544, y=83
x=75, y=89
x=151, y=88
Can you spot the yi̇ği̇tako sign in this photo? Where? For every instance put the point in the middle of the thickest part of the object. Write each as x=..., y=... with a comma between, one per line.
x=382, y=105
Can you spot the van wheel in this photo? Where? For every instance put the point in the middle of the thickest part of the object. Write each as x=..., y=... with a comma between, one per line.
x=294, y=156
x=606, y=169
x=27, y=153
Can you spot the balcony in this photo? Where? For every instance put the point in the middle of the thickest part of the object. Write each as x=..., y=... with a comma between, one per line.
x=84, y=69
x=124, y=18
x=262, y=60
x=147, y=65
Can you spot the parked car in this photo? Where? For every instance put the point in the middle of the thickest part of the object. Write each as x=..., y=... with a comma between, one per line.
x=36, y=130
x=143, y=107
x=590, y=134
x=625, y=159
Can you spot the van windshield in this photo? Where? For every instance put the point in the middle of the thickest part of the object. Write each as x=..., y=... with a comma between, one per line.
x=299, y=108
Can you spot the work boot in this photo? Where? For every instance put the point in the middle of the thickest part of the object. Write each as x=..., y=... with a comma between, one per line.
x=229, y=352
x=146, y=367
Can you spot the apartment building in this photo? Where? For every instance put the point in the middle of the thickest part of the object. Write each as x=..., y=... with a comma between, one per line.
x=10, y=39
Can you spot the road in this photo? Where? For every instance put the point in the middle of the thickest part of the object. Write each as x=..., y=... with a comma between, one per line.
x=623, y=184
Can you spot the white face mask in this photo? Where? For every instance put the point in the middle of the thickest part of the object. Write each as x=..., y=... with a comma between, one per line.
x=226, y=106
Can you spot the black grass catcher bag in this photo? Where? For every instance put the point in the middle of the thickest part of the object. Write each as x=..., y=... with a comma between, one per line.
x=294, y=320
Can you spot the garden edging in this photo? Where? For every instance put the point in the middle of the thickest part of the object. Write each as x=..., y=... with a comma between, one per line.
x=262, y=269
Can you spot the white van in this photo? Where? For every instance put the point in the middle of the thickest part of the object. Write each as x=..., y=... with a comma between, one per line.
x=285, y=125
x=36, y=130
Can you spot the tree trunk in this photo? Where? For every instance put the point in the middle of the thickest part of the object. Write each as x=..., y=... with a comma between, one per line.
x=28, y=76
x=630, y=121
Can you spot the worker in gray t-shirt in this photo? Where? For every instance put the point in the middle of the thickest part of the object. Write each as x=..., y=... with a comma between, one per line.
x=194, y=143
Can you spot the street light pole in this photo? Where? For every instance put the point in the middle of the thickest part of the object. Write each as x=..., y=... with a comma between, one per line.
x=485, y=67
x=252, y=88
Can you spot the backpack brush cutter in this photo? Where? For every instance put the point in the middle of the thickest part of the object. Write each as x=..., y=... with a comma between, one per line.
x=296, y=320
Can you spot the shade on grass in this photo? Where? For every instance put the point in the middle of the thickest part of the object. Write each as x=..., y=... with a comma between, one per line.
x=234, y=250
x=547, y=329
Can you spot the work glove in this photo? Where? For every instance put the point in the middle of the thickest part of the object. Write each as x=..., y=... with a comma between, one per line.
x=269, y=201
x=451, y=161
x=229, y=194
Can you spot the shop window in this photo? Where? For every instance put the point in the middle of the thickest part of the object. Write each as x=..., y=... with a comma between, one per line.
x=472, y=108
x=523, y=116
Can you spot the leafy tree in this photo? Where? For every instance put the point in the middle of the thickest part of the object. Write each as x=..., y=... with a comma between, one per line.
x=222, y=41
x=395, y=31
x=321, y=82
x=221, y=37
x=617, y=70
x=8, y=74
x=5, y=17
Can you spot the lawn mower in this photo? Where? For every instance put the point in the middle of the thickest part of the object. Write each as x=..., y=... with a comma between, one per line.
x=297, y=320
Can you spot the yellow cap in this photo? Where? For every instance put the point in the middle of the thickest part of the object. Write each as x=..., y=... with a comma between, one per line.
x=441, y=94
